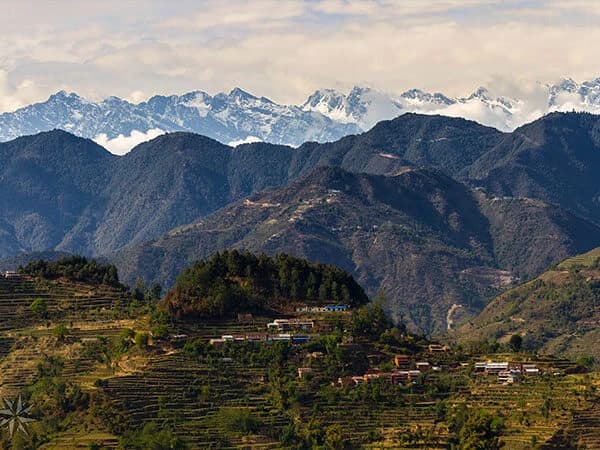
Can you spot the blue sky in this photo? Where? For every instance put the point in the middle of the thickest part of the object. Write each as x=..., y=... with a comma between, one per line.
x=286, y=49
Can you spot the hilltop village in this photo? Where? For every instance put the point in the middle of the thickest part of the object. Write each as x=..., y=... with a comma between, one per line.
x=237, y=355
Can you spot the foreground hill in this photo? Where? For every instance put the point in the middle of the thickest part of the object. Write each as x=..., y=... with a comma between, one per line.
x=557, y=312
x=96, y=366
x=426, y=240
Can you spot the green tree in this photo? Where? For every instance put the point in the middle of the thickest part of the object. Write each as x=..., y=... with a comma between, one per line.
x=60, y=332
x=39, y=307
x=475, y=430
x=141, y=340
x=516, y=342
x=152, y=437
x=334, y=437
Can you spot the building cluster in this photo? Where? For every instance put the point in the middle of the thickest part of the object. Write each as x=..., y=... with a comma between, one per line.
x=11, y=274
x=403, y=374
x=291, y=324
x=259, y=337
x=319, y=309
x=395, y=377
x=404, y=362
x=507, y=372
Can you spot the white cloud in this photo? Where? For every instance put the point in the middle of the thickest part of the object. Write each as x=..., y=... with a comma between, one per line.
x=248, y=140
x=121, y=145
x=285, y=49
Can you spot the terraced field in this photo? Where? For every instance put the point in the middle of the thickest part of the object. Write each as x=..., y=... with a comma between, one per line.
x=164, y=383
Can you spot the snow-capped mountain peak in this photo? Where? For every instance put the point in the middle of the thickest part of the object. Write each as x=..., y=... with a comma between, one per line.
x=239, y=116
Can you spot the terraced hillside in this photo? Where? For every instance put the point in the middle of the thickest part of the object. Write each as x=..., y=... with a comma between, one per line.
x=102, y=367
x=558, y=312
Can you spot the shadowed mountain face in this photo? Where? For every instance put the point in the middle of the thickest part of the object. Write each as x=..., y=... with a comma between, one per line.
x=68, y=194
x=555, y=159
x=428, y=241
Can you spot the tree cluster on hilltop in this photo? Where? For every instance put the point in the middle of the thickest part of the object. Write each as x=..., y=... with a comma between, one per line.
x=234, y=281
x=76, y=268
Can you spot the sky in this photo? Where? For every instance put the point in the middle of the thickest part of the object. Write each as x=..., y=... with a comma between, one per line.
x=284, y=50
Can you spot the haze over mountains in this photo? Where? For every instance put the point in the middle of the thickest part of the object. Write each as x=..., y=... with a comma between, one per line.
x=326, y=115
x=454, y=210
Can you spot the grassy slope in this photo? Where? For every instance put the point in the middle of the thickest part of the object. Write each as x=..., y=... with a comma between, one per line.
x=559, y=311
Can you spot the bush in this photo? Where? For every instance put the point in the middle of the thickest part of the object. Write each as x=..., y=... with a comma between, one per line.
x=141, y=340
x=238, y=420
x=152, y=437
x=39, y=307
x=160, y=331
x=516, y=342
x=60, y=332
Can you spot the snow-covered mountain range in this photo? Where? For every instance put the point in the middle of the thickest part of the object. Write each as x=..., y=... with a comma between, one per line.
x=366, y=106
x=326, y=115
x=230, y=118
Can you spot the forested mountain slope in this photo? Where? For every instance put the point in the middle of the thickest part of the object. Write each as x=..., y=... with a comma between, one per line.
x=425, y=239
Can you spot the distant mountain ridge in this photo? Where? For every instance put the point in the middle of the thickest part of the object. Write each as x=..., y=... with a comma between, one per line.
x=327, y=114
x=366, y=106
x=69, y=194
x=509, y=202
x=234, y=117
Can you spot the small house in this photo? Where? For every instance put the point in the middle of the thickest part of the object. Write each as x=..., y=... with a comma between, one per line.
x=437, y=348
x=336, y=308
x=530, y=370
x=480, y=367
x=494, y=368
x=357, y=380
x=282, y=338
x=300, y=339
x=508, y=377
x=399, y=377
x=291, y=324
x=423, y=366
x=303, y=372
x=402, y=361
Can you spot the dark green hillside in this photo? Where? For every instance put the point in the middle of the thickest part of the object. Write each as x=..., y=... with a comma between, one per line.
x=528, y=235
x=558, y=312
x=74, y=268
x=446, y=143
x=232, y=282
x=47, y=181
x=427, y=240
x=64, y=193
x=555, y=159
